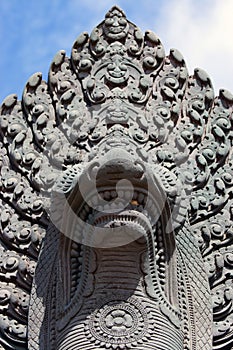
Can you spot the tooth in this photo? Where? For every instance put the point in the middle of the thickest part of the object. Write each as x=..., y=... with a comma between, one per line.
x=94, y=200
x=82, y=215
x=113, y=194
x=135, y=195
x=141, y=198
x=120, y=194
x=74, y=253
x=106, y=195
x=101, y=194
x=113, y=206
x=86, y=208
x=149, y=203
x=106, y=207
x=90, y=216
x=128, y=195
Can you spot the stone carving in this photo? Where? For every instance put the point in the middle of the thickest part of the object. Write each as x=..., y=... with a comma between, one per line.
x=116, y=201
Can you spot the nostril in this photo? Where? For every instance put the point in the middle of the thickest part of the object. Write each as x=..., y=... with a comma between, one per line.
x=115, y=23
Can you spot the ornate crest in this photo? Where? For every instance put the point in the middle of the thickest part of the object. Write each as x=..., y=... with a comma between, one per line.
x=116, y=201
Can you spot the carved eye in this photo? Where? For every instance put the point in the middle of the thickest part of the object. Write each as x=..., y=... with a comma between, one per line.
x=227, y=178
x=82, y=136
x=37, y=110
x=209, y=154
x=149, y=62
x=4, y=296
x=172, y=82
x=229, y=259
x=24, y=234
x=65, y=85
x=203, y=201
x=224, y=123
x=11, y=263
x=3, y=122
x=217, y=231
x=198, y=105
x=187, y=135
x=15, y=129
x=109, y=21
x=189, y=177
x=19, y=330
x=122, y=21
x=29, y=158
x=37, y=205
x=11, y=183
x=86, y=64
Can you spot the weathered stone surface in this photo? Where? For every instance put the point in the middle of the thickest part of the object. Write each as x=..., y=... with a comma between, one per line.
x=116, y=201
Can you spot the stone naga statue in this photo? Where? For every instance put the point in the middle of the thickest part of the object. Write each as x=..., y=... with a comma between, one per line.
x=116, y=201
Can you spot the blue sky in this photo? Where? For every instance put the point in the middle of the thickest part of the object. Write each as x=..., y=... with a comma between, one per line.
x=31, y=32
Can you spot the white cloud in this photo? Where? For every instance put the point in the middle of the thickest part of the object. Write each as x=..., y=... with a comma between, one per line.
x=203, y=32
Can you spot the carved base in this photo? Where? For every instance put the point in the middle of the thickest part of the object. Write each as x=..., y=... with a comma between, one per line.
x=119, y=322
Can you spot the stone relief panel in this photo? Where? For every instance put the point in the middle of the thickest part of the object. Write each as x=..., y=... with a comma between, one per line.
x=116, y=201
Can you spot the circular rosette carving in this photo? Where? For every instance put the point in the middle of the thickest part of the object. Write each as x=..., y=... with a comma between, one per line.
x=118, y=323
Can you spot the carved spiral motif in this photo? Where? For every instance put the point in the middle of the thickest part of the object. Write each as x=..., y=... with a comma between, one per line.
x=118, y=322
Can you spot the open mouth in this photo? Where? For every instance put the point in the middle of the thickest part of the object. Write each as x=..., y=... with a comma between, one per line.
x=117, y=203
x=114, y=202
x=111, y=219
x=114, y=218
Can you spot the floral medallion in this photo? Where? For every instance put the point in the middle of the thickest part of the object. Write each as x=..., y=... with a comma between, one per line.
x=118, y=324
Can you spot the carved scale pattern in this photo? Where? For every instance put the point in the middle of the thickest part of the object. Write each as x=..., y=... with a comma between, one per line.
x=117, y=75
